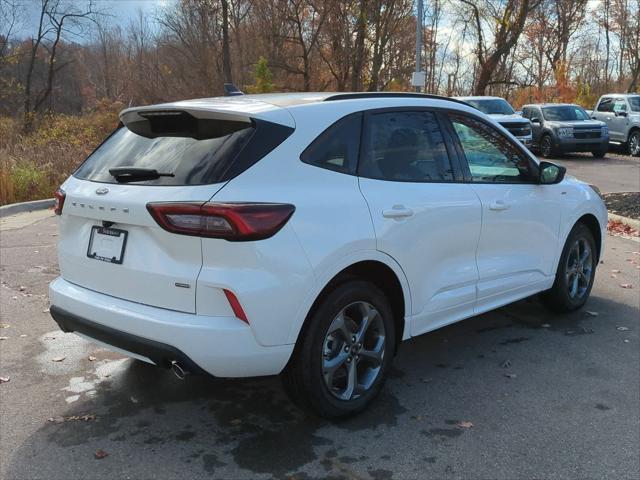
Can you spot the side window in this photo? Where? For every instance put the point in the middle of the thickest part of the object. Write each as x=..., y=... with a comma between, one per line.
x=620, y=105
x=337, y=147
x=606, y=105
x=406, y=147
x=491, y=156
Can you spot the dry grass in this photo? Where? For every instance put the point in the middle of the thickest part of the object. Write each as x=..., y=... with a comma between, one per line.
x=32, y=166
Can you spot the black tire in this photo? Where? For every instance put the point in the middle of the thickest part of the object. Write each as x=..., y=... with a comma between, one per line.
x=599, y=153
x=633, y=145
x=546, y=146
x=559, y=297
x=304, y=378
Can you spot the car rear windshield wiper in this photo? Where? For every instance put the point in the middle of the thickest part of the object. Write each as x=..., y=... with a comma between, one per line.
x=133, y=174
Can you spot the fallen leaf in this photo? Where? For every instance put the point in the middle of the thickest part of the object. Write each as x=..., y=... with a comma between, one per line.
x=46, y=310
x=626, y=285
x=591, y=314
x=133, y=399
x=22, y=288
x=626, y=341
x=100, y=454
x=4, y=379
x=58, y=359
x=545, y=325
x=510, y=375
x=14, y=297
x=506, y=364
x=91, y=358
x=622, y=329
x=4, y=338
x=465, y=424
x=73, y=418
x=23, y=335
x=613, y=276
x=616, y=271
x=4, y=325
x=236, y=421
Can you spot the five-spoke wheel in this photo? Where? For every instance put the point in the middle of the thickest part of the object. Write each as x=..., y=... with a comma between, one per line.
x=353, y=350
x=344, y=350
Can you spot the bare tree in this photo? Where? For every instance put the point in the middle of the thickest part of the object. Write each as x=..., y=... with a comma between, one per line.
x=509, y=18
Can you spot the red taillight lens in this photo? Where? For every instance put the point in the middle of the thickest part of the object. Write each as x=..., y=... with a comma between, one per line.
x=230, y=221
x=59, y=201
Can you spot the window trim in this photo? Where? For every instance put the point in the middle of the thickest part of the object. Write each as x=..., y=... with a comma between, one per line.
x=468, y=178
x=352, y=171
x=452, y=157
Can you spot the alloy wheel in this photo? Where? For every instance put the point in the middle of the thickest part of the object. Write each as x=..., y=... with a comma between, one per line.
x=634, y=144
x=546, y=147
x=353, y=351
x=579, y=269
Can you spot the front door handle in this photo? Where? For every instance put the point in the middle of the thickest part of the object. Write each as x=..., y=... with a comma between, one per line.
x=499, y=205
x=398, y=211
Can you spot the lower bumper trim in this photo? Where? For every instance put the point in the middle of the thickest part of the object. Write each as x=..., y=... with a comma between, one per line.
x=159, y=353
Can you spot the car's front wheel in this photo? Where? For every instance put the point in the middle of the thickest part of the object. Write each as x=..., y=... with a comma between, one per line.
x=546, y=146
x=634, y=143
x=343, y=353
x=575, y=274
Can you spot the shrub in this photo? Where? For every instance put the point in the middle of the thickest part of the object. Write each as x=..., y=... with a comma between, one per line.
x=32, y=166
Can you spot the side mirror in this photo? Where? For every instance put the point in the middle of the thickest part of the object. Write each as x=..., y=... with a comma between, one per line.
x=535, y=120
x=550, y=173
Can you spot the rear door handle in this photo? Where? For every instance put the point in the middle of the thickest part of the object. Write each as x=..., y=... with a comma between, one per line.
x=499, y=205
x=398, y=211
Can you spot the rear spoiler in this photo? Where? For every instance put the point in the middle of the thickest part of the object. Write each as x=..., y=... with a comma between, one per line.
x=170, y=122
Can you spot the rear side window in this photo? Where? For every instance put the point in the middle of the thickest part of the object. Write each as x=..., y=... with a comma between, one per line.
x=405, y=146
x=186, y=160
x=337, y=147
x=605, y=105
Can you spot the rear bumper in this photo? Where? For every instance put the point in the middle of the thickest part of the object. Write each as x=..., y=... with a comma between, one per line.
x=220, y=346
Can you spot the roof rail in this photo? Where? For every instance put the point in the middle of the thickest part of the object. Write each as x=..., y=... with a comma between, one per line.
x=356, y=95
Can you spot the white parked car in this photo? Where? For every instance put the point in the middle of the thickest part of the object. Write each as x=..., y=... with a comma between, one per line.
x=309, y=234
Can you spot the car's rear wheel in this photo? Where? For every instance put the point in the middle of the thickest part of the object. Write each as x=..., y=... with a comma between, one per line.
x=634, y=143
x=546, y=146
x=343, y=353
x=575, y=274
x=600, y=153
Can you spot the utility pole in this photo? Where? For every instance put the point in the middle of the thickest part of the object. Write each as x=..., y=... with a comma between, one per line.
x=418, y=77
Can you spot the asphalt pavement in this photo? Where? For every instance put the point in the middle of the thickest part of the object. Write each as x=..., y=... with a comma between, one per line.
x=515, y=393
x=612, y=174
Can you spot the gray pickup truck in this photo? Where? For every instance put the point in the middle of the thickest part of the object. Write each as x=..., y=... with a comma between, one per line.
x=621, y=113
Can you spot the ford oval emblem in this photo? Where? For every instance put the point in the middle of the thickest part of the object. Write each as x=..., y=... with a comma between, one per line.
x=102, y=191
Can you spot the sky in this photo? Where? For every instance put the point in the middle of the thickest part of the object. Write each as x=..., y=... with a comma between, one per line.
x=120, y=11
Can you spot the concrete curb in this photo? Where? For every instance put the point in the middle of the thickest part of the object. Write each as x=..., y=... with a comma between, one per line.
x=13, y=208
x=626, y=220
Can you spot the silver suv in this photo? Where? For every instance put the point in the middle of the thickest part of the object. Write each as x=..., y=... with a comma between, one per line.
x=621, y=112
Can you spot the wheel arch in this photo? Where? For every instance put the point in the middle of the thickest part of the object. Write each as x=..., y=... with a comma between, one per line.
x=378, y=269
x=591, y=222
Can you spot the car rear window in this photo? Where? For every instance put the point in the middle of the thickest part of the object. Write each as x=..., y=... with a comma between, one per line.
x=191, y=161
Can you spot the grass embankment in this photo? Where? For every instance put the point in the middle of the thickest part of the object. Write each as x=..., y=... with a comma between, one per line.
x=33, y=165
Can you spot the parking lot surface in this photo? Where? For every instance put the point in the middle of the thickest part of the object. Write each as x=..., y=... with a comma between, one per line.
x=515, y=393
x=612, y=174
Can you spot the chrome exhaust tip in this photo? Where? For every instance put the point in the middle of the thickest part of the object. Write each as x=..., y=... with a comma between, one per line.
x=178, y=370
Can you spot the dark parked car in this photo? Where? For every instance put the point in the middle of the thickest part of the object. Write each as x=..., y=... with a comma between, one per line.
x=565, y=128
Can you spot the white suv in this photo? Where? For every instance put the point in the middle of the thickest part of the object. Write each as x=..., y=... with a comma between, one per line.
x=308, y=234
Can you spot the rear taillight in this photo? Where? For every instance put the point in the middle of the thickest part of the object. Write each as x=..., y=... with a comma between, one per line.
x=59, y=201
x=230, y=221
